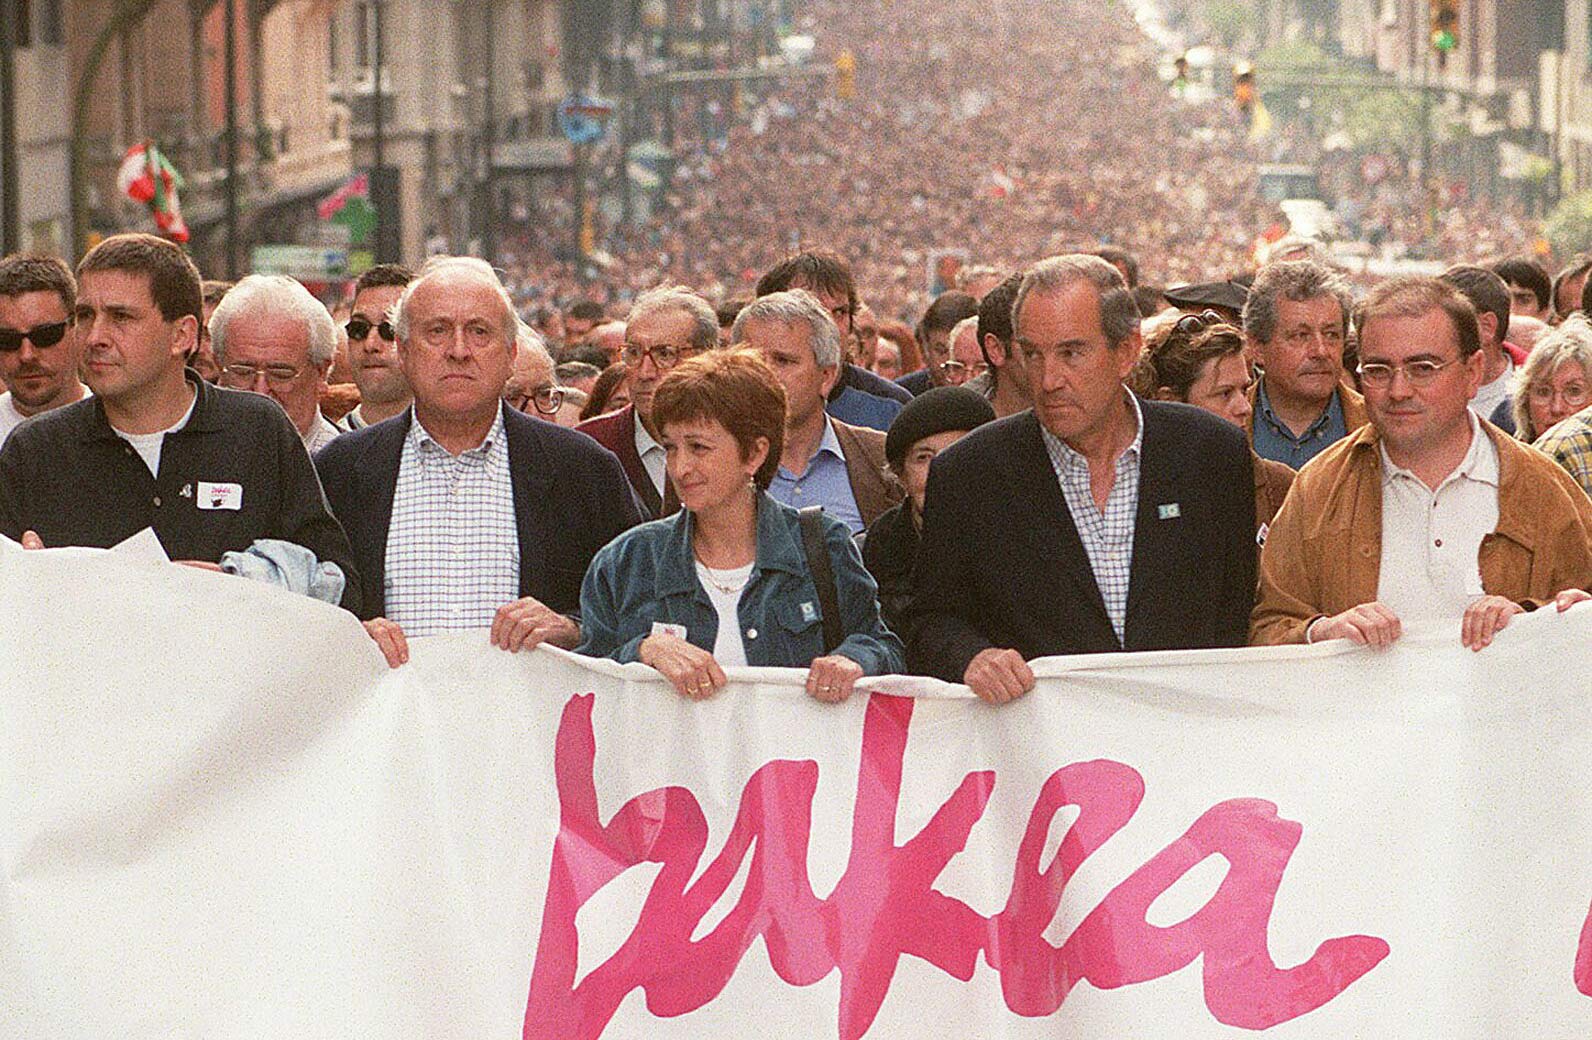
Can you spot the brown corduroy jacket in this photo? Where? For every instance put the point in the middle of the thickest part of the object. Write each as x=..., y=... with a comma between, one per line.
x=1272, y=481
x=1323, y=554
x=871, y=486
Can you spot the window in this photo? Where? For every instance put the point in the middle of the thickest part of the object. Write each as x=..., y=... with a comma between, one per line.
x=364, y=34
x=51, y=23
x=21, y=22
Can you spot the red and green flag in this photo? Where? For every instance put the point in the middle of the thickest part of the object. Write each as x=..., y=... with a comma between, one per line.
x=148, y=177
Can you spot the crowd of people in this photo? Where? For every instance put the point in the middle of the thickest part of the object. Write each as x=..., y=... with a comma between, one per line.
x=1075, y=467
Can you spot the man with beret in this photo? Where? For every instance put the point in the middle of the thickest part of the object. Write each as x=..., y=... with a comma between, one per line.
x=930, y=424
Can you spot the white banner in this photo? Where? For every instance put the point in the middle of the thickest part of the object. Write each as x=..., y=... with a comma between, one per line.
x=222, y=817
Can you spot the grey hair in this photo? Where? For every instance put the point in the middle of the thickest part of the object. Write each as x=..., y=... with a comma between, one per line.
x=704, y=321
x=957, y=329
x=278, y=295
x=1570, y=341
x=1119, y=314
x=1295, y=280
x=455, y=268
x=528, y=341
x=795, y=307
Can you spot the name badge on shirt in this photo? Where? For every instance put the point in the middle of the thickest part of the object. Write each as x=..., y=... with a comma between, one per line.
x=219, y=496
x=663, y=628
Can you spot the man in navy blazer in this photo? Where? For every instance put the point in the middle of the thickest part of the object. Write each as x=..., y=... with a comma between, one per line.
x=462, y=512
x=1094, y=522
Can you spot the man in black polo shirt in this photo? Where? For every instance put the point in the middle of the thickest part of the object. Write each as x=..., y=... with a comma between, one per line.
x=211, y=470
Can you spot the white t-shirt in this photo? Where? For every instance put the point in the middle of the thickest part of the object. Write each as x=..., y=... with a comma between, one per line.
x=1492, y=394
x=148, y=445
x=1431, y=540
x=10, y=418
x=728, y=647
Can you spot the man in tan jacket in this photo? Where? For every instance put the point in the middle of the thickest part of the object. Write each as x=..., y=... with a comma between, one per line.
x=1428, y=513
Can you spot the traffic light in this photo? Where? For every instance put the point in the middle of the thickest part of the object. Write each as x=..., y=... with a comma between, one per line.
x=1443, y=17
x=846, y=75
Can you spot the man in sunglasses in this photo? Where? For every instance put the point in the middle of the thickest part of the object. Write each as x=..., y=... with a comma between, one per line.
x=373, y=348
x=667, y=325
x=39, y=353
x=1427, y=513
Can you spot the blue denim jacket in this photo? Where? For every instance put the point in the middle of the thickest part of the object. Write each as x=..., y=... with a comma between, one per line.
x=648, y=574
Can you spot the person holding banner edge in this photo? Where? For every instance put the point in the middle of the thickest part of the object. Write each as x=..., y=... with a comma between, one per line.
x=731, y=579
x=1427, y=513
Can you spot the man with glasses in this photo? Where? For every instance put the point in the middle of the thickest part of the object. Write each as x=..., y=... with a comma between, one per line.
x=462, y=512
x=825, y=461
x=967, y=360
x=532, y=388
x=1426, y=514
x=1296, y=320
x=39, y=353
x=934, y=338
x=220, y=476
x=828, y=277
x=1095, y=522
x=272, y=337
x=372, y=346
x=666, y=325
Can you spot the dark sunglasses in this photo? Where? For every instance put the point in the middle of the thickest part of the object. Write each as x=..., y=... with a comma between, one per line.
x=359, y=328
x=41, y=336
x=1190, y=324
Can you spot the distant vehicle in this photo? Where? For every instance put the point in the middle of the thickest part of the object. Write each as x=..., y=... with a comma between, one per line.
x=1281, y=182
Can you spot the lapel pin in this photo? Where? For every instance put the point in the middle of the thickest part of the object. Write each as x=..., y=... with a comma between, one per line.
x=1170, y=511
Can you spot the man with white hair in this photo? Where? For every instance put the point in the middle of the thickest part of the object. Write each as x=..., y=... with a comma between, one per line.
x=825, y=462
x=464, y=513
x=667, y=325
x=282, y=348
x=532, y=387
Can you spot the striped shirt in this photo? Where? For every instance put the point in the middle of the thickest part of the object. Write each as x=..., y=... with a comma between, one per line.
x=1107, y=536
x=453, y=549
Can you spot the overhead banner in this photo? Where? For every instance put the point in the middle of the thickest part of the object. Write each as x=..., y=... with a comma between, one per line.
x=221, y=816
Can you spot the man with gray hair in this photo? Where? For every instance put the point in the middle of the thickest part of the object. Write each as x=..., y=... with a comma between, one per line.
x=270, y=336
x=666, y=325
x=1094, y=522
x=1296, y=322
x=825, y=462
x=462, y=512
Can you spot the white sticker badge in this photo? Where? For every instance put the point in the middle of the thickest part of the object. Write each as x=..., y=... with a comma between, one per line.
x=219, y=496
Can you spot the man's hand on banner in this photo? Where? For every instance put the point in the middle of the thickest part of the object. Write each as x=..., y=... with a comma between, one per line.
x=31, y=540
x=692, y=670
x=998, y=676
x=830, y=679
x=527, y=623
x=390, y=640
x=1369, y=624
x=1570, y=597
x=1485, y=618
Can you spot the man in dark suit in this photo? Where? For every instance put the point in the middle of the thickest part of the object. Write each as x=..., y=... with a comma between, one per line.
x=464, y=513
x=1096, y=521
x=667, y=325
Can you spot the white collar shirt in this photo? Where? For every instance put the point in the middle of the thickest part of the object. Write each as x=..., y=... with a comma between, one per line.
x=1431, y=540
x=1107, y=535
x=453, y=548
x=653, y=457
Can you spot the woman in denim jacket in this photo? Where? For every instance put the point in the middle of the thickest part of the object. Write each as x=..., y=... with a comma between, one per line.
x=659, y=593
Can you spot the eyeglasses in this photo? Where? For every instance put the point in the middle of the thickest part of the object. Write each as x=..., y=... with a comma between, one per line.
x=957, y=369
x=1576, y=395
x=41, y=336
x=1419, y=373
x=1192, y=324
x=663, y=355
x=242, y=376
x=359, y=328
x=547, y=400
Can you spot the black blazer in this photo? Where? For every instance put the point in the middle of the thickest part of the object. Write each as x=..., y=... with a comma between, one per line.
x=571, y=497
x=1002, y=565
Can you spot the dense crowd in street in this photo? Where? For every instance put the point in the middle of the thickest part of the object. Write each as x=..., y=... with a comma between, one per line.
x=764, y=441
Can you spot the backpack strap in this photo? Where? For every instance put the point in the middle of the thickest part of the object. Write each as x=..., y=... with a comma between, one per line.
x=819, y=566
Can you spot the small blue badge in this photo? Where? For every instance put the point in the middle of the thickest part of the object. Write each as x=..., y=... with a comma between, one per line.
x=809, y=612
x=1170, y=511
